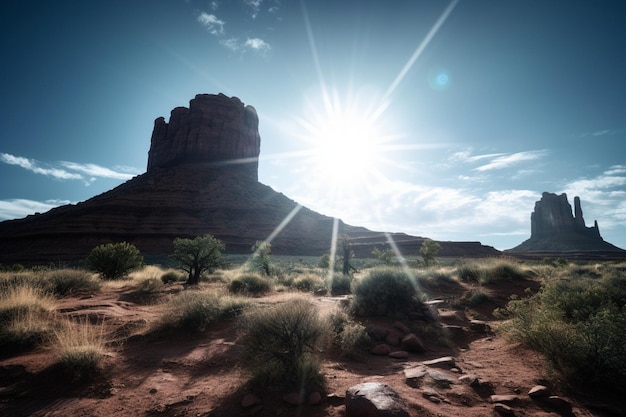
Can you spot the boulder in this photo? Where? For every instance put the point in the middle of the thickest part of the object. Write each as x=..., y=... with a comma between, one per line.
x=374, y=399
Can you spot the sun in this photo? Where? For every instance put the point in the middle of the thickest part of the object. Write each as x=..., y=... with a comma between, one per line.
x=346, y=144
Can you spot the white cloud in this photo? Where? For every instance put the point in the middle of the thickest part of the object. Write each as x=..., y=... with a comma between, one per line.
x=506, y=161
x=232, y=44
x=214, y=25
x=254, y=6
x=257, y=44
x=68, y=170
x=215, y=5
x=18, y=208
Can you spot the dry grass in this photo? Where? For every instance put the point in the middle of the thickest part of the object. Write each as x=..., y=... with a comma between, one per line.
x=21, y=299
x=80, y=346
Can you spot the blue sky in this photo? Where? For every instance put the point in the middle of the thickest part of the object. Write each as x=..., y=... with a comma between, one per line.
x=443, y=119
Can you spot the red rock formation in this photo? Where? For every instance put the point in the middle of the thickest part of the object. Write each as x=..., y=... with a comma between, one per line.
x=214, y=129
x=555, y=232
x=201, y=178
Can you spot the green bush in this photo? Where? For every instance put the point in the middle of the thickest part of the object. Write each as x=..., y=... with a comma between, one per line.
x=64, y=282
x=349, y=336
x=469, y=273
x=386, y=291
x=172, y=276
x=196, y=311
x=579, y=325
x=114, y=260
x=250, y=283
x=502, y=271
x=307, y=282
x=281, y=343
x=340, y=284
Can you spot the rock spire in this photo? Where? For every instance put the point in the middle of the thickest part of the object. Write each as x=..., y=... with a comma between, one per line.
x=215, y=130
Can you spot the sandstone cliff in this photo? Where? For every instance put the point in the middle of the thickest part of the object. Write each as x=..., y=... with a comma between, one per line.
x=556, y=232
x=201, y=178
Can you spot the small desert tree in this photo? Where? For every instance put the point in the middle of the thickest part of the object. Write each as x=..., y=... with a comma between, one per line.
x=261, y=257
x=429, y=251
x=114, y=260
x=346, y=250
x=386, y=256
x=194, y=256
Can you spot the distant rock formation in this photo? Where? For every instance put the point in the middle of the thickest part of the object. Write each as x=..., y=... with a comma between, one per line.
x=214, y=129
x=555, y=231
x=202, y=178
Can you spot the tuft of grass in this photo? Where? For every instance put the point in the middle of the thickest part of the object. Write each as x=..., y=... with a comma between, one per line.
x=436, y=278
x=196, y=311
x=474, y=298
x=502, y=271
x=307, y=282
x=64, y=282
x=80, y=346
x=281, y=343
x=23, y=300
x=25, y=330
x=250, y=283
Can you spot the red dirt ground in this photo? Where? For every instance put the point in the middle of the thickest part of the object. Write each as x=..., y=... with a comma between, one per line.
x=182, y=375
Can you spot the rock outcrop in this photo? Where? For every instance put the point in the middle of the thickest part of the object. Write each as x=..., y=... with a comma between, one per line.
x=202, y=178
x=555, y=231
x=215, y=130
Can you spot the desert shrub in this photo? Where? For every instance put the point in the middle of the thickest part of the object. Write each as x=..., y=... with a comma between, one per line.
x=429, y=250
x=501, y=271
x=260, y=261
x=579, y=325
x=65, y=282
x=250, y=283
x=469, y=272
x=196, y=311
x=386, y=290
x=114, y=260
x=324, y=261
x=307, y=282
x=80, y=347
x=435, y=278
x=172, y=276
x=281, y=343
x=386, y=256
x=432, y=332
x=149, y=285
x=340, y=284
x=474, y=298
x=348, y=336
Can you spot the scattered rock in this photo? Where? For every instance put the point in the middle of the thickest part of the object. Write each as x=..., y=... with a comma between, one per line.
x=503, y=410
x=382, y=349
x=377, y=332
x=412, y=343
x=539, y=391
x=393, y=338
x=335, y=400
x=469, y=379
x=504, y=399
x=402, y=327
x=414, y=376
x=374, y=399
x=444, y=362
x=432, y=395
x=558, y=403
x=479, y=326
x=441, y=380
x=399, y=354
x=250, y=400
x=315, y=398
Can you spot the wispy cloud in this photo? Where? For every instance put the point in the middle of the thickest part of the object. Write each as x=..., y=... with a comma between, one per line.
x=17, y=208
x=256, y=45
x=507, y=161
x=64, y=170
x=254, y=6
x=214, y=25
